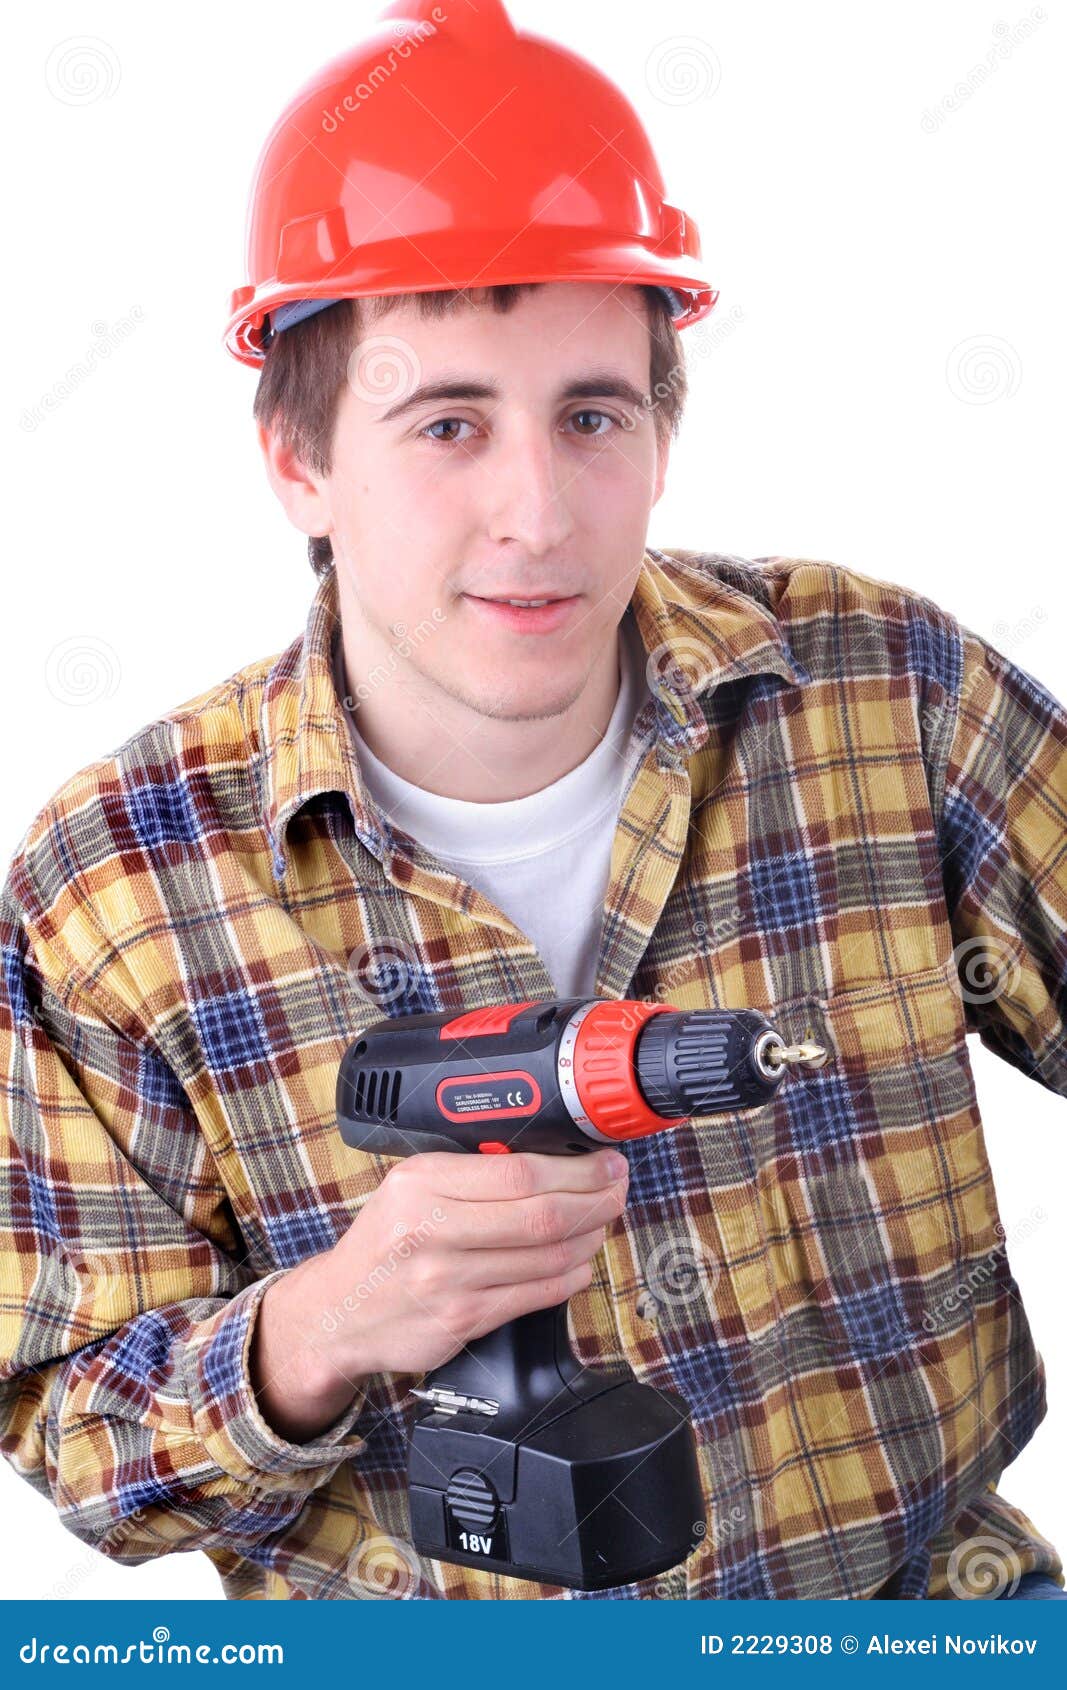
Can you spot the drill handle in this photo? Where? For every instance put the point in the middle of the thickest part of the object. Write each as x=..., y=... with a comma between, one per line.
x=526, y=1369
x=517, y=1364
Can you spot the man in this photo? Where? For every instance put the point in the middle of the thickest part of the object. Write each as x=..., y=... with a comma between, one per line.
x=692, y=779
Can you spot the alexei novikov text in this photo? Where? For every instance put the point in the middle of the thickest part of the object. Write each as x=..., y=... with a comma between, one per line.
x=948, y=1643
x=951, y=1644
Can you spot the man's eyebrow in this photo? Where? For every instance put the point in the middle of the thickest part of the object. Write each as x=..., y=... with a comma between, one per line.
x=591, y=384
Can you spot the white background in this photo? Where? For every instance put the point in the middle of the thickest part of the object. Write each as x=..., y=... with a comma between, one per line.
x=836, y=412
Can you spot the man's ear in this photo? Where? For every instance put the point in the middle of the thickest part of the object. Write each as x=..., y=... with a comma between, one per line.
x=301, y=492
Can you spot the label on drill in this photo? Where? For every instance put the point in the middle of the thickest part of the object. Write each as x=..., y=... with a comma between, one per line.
x=489, y=1541
x=489, y=1097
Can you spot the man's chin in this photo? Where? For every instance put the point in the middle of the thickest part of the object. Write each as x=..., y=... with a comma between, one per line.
x=512, y=699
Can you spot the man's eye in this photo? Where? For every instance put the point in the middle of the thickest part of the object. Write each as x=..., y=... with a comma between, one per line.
x=602, y=416
x=442, y=422
x=594, y=433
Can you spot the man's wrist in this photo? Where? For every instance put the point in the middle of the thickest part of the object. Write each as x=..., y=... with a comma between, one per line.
x=300, y=1387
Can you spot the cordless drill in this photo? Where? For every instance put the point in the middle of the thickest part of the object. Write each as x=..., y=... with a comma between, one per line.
x=523, y=1461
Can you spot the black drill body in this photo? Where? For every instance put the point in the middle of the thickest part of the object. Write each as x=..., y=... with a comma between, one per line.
x=525, y=1462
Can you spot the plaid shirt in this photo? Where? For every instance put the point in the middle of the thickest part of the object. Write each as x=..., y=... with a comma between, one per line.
x=839, y=807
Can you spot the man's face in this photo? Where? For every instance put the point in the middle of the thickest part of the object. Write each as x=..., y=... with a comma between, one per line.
x=437, y=503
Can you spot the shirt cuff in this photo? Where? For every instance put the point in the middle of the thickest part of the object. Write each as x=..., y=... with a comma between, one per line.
x=227, y=1418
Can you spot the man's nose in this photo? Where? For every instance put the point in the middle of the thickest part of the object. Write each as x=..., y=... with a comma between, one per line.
x=528, y=491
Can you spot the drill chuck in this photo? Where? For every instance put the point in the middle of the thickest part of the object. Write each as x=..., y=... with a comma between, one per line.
x=705, y=1061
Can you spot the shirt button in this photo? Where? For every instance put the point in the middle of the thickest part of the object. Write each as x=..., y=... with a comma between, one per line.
x=647, y=1306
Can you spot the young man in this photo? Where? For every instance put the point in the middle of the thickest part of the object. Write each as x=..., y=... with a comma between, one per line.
x=692, y=779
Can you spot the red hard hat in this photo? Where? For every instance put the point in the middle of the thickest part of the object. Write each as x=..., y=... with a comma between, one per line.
x=458, y=153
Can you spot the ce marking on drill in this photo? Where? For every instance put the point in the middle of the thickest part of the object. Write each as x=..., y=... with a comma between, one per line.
x=489, y=1097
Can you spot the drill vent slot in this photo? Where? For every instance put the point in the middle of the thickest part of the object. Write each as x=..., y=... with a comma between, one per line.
x=377, y=1094
x=471, y=1498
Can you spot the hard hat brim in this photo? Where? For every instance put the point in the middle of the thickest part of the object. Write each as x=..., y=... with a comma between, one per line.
x=369, y=272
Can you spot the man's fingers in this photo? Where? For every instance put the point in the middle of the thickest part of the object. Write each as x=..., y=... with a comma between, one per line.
x=486, y=1268
x=511, y=1301
x=525, y=1221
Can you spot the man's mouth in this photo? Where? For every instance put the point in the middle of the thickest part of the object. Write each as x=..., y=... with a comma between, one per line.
x=540, y=614
x=524, y=599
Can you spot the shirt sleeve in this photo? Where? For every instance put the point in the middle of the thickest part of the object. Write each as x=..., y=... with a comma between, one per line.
x=126, y=1307
x=1003, y=843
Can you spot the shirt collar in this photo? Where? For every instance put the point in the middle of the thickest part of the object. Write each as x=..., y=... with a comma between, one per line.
x=697, y=630
x=700, y=631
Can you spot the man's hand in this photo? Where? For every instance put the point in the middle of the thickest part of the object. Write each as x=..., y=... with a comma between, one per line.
x=446, y=1249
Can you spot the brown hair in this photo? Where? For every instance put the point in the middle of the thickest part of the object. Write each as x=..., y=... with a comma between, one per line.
x=306, y=366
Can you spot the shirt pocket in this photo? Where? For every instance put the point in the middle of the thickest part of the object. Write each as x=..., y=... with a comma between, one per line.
x=873, y=1183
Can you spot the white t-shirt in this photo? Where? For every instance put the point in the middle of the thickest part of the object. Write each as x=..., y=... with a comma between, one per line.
x=542, y=860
